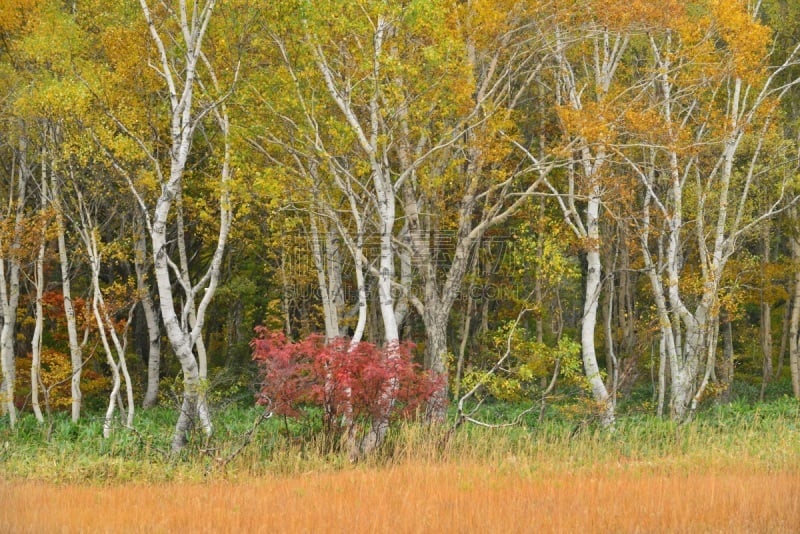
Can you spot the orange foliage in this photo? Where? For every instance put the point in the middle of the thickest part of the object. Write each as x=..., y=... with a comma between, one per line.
x=620, y=15
x=592, y=122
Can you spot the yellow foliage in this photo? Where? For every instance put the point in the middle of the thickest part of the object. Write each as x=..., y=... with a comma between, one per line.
x=746, y=39
x=14, y=14
x=56, y=371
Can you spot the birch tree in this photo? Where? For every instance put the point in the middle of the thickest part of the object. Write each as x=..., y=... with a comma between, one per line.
x=177, y=33
x=716, y=99
x=592, y=91
x=417, y=140
x=57, y=172
x=13, y=220
x=114, y=343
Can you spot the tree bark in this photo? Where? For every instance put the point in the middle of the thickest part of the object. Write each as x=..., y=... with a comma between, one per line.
x=593, y=286
x=10, y=268
x=794, y=324
x=39, y=283
x=151, y=320
x=184, y=331
x=75, y=348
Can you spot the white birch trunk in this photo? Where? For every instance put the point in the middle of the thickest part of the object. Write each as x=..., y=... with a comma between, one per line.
x=333, y=263
x=329, y=311
x=9, y=285
x=39, y=283
x=36, y=339
x=115, y=356
x=383, y=189
x=75, y=349
x=589, y=322
x=608, y=49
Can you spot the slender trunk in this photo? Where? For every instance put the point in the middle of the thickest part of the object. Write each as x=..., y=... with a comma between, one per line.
x=178, y=338
x=787, y=315
x=39, y=282
x=151, y=319
x=711, y=355
x=794, y=324
x=9, y=287
x=361, y=287
x=189, y=316
x=177, y=332
x=662, y=375
x=589, y=323
x=185, y=331
x=612, y=363
x=94, y=260
x=329, y=311
x=36, y=340
x=380, y=425
x=333, y=260
x=286, y=295
x=462, y=348
x=727, y=375
x=626, y=309
x=766, y=346
x=75, y=349
x=766, y=315
x=112, y=398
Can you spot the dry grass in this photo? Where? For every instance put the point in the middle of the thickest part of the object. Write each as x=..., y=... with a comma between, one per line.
x=736, y=471
x=512, y=496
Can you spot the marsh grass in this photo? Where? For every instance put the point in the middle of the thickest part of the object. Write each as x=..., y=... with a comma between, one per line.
x=420, y=497
x=734, y=469
x=763, y=437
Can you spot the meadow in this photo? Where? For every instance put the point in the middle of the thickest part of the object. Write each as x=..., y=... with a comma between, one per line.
x=735, y=469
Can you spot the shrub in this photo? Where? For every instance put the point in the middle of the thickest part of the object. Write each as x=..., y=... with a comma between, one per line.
x=351, y=384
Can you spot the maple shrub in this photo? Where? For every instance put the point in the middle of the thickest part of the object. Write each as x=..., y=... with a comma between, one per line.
x=351, y=383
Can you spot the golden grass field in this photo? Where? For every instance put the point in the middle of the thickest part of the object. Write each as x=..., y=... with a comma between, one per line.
x=508, y=496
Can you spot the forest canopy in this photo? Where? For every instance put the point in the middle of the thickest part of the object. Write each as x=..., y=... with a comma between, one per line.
x=587, y=201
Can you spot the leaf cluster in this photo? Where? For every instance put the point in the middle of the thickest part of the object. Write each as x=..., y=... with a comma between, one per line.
x=351, y=383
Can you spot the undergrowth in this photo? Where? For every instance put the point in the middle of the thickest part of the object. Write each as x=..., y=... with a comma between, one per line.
x=765, y=436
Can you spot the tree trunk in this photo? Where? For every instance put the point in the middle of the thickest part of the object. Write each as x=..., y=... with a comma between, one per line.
x=592, y=296
x=727, y=374
x=184, y=331
x=329, y=311
x=9, y=287
x=151, y=319
x=787, y=314
x=462, y=349
x=39, y=283
x=765, y=329
x=794, y=324
x=36, y=340
x=662, y=375
x=75, y=348
x=436, y=346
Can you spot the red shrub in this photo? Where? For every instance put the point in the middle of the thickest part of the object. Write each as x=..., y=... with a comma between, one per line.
x=362, y=382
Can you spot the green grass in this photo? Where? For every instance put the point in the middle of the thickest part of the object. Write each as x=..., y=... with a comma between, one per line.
x=765, y=436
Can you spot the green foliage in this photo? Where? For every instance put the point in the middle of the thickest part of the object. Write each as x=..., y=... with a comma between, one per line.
x=530, y=363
